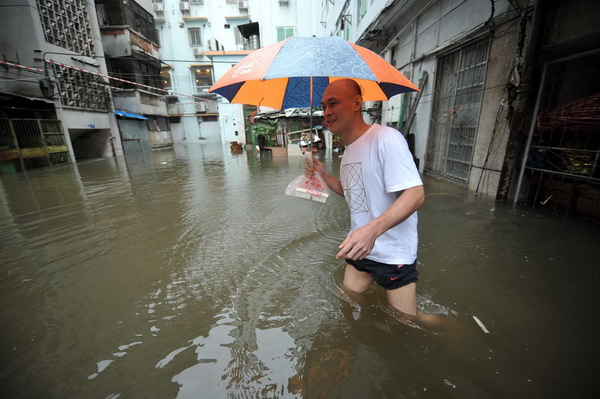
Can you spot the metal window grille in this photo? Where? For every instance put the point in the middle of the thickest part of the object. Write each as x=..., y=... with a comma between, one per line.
x=460, y=80
x=31, y=143
x=119, y=12
x=66, y=24
x=81, y=90
x=561, y=168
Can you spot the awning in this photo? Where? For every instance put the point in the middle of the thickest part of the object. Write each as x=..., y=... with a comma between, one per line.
x=129, y=115
x=248, y=29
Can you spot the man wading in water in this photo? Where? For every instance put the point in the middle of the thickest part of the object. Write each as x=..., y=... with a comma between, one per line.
x=383, y=190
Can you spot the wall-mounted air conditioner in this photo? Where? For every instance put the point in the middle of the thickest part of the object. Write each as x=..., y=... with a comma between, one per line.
x=201, y=107
x=212, y=45
x=184, y=6
x=243, y=5
x=158, y=7
x=197, y=51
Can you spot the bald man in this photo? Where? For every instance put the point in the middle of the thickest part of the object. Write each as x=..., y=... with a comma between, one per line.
x=383, y=190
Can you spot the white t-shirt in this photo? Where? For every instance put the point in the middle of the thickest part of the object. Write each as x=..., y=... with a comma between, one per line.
x=374, y=169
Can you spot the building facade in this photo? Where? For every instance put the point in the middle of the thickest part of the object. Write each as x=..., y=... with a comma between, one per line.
x=54, y=67
x=203, y=39
x=131, y=49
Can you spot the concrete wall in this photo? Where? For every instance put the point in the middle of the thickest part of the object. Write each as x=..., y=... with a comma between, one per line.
x=231, y=120
x=492, y=133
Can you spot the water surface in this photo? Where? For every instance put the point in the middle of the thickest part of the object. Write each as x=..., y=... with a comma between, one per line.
x=187, y=273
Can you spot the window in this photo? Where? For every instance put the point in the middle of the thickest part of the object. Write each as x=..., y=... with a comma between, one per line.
x=194, y=35
x=202, y=77
x=362, y=8
x=239, y=39
x=81, y=90
x=283, y=32
x=208, y=118
x=165, y=76
x=158, y=124
x=67, y=25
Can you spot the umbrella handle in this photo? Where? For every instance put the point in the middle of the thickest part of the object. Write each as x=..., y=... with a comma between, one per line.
x=308, y=156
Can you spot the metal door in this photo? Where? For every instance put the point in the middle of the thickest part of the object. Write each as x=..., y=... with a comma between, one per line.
x=460, y=80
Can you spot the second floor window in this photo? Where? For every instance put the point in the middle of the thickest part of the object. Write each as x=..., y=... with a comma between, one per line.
x=165, y=75
x=202, y=77
x=283, y=32
x=239, y=39
x=194, y=35
x=362, y=8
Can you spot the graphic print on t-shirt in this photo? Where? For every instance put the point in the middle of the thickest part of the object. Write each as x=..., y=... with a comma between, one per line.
x=354, y=187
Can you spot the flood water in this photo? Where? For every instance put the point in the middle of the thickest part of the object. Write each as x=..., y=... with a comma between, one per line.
x=187, y=273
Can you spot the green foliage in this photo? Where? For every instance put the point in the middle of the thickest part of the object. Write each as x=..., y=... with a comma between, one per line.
x=267, y=129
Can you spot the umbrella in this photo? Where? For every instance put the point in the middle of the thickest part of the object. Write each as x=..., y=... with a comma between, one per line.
x=281, y=75
x=294, y=74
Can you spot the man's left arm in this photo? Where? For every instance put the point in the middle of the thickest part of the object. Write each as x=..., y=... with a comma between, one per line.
x=359, y=243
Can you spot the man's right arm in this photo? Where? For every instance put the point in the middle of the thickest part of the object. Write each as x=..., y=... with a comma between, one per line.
x=332, y=182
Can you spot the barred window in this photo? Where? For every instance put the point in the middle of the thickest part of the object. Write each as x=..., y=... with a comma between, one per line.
x=67, y=24
x=78, y=89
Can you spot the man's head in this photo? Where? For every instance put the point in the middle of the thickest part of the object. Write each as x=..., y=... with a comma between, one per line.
x=342, y=105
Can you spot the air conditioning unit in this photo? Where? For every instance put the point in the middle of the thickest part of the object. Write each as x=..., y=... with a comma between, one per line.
x=201, y=107
x=243, y=5
x=284, y=2
x=158, y=7
x=212, y=45
x=197, y=51
x=184, y=6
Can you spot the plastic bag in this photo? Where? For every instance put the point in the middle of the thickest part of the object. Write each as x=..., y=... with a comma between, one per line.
x=313, y=188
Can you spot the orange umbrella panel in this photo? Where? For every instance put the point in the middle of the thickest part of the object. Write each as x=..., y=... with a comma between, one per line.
x=279, y=76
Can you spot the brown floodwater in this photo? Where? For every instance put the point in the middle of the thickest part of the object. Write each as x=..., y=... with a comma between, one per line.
x=187, y=273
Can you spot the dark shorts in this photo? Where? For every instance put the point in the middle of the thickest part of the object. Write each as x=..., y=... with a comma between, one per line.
x=389, y=277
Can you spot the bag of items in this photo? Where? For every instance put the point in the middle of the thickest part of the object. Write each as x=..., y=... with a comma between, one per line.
x=313, y=188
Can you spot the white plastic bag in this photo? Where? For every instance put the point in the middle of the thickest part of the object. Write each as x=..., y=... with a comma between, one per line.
x=313, y=188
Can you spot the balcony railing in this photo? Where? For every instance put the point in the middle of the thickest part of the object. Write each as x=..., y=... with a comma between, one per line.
x=116, y=12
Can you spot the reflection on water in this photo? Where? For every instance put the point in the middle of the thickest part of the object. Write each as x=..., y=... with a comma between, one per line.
x=188, y=273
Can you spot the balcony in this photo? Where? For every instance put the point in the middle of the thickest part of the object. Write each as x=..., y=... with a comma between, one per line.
x=140, y=102
x=116, y=13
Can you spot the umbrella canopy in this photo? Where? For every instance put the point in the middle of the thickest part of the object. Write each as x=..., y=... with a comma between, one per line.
x=279, y=76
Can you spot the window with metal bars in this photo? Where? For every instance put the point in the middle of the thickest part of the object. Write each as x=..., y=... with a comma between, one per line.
x=66, y=24
x=78, y=89
x=460, y=81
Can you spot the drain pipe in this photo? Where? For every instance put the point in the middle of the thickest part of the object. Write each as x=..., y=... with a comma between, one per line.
x=536, y=109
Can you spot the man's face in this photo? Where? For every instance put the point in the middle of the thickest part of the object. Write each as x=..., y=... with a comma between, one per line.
x=338, y=108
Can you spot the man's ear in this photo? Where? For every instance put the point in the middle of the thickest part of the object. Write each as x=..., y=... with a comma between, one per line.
x=357, y=100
